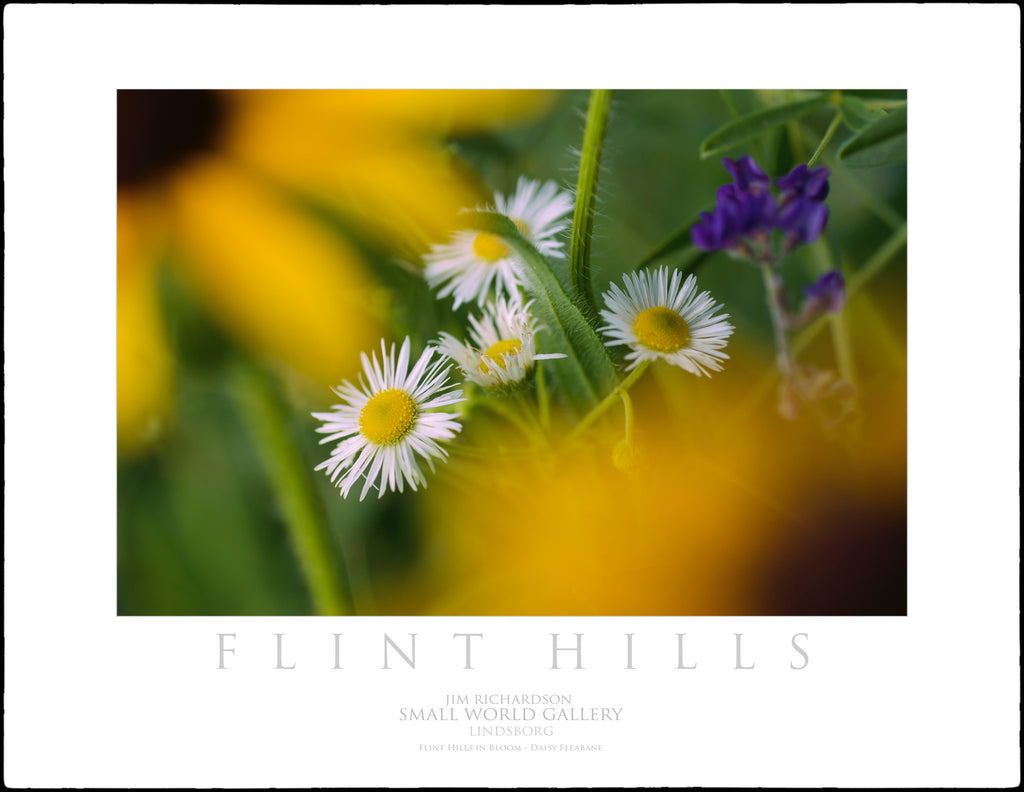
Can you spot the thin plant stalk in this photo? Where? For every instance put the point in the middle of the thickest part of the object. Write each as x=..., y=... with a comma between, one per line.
x=829, y=133
x=777, y=309
x=586, y=198
x=291, y=482
x=608, y=401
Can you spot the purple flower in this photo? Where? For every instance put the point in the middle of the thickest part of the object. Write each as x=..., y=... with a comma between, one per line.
x=802, y=220
x=747, y=212
x=825, y=295
x=741, y=216
x=801, y=183
x=747, y=175
x=709, y=233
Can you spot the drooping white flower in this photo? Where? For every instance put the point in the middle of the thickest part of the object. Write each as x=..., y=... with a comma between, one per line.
x=539, y=212
x=502, y=349
x=473, y=262
x=386, y=422
x=659, y=317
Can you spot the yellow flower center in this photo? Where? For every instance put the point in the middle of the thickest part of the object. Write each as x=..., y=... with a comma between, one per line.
x=387, y=417
x=489, y=247
x=494, y=354
x=661, y=329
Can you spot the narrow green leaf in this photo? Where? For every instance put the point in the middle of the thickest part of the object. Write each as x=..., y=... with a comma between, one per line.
x=877, y=95
x=856, y=114
x=881, y=142
x=291, y=481
x=755, y=124
x=588, y=373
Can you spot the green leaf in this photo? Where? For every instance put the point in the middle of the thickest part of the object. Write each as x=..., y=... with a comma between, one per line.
x=856, y=114
x=876, y=95
x=587, y=374
x=755, y=124
x=882, y=142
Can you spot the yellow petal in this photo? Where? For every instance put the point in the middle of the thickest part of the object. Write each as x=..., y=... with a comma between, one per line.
x=144, y=365
x=399, y=183
x=574, y=535
x=437, y=111
x=275, y=278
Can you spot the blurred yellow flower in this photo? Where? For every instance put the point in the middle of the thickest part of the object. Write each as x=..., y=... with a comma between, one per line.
x=211, y=173
x=698, y=518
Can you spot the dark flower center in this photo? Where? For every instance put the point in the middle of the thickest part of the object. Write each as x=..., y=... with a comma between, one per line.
x=157, y=130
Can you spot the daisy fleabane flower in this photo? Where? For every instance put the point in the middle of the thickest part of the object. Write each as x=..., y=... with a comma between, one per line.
x=661, y=318
x=387, y=421
x=472, y=262
x=501, y=351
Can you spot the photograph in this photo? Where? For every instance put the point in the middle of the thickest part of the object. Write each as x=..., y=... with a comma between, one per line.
x=512, y=352
x=512, y=397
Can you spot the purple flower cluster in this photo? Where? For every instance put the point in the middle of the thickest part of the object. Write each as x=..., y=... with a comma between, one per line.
x=827, y=295
x=747, y=212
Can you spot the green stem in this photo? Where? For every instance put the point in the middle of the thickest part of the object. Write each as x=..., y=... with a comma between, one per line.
x=777, y=310
x=609, y=400
x=877, y=262
x=730, y=103
x=543, y=398
x=586, y=197
x=500, y=407
x=627, y=405
x=883, y=211
x=803, y=339
x=858, y=282
x=829, y=133
x=290, y=480
x=841, y=344
x=795, y=138
x=532, y=419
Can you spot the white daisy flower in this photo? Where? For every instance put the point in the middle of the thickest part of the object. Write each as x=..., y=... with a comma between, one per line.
x=502, y=350
x=386, y=421
x=658, y=318
x=539, y=212
x=474, y=261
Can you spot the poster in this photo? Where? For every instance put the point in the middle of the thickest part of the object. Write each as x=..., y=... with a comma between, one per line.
x=583, y=631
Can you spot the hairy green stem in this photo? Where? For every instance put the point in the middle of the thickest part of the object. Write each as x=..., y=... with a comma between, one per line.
x=293, y=488
x=586, y=197
x=609, y=400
